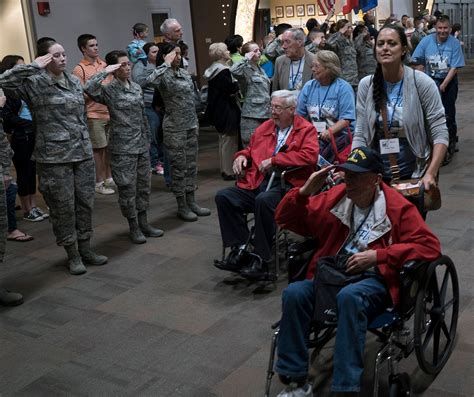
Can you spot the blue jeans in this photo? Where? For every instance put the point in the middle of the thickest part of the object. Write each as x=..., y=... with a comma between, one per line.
x=357, y=305
x=154, y=123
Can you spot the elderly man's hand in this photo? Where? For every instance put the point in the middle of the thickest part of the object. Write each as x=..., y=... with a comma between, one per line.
x=239, y=164
x=361, y=261
x=315, y=182
x=265, y=165
x=429, y=180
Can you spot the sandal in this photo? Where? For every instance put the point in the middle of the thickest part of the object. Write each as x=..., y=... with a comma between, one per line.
x=21, y=238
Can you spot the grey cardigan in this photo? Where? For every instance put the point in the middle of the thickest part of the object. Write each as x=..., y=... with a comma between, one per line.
x=423, y=116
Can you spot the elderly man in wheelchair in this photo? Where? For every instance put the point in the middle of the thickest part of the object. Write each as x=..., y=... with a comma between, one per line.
x=286, y=140
x=378, y=230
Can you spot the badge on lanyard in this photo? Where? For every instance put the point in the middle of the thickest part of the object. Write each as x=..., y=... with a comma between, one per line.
x=389, y=146
x=320, y=126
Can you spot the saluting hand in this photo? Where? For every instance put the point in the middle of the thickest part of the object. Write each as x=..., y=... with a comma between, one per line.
x=315, y=181
x=112, y=68
x=169, y=58
x=44, y=60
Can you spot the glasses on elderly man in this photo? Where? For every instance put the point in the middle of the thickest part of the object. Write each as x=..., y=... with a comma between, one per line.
x=277, y=108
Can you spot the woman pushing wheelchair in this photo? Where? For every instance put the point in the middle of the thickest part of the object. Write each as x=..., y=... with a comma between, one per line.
x=378, y=230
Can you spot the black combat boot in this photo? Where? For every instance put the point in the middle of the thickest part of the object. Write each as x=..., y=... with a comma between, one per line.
x=8, y=298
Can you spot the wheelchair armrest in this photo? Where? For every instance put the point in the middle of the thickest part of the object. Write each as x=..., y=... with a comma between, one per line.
x=299, y=257
x=284, y=174
x=411, y=280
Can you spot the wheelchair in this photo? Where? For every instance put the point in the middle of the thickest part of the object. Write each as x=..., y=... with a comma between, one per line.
x=429, y=296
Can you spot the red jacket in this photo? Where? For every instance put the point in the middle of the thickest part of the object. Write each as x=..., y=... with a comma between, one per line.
x=303, y=150
x=408, y=237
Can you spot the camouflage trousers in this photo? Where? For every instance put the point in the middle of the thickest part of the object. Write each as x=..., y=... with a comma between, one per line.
x=182, y=148
x=131, y=173
x=3, y=217
x=247, y=128
x=68, y=190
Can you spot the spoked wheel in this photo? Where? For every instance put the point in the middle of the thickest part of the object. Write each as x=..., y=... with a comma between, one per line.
x=436, y=316
x=399, y=385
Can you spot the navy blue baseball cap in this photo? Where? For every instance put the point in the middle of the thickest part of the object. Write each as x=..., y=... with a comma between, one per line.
x=363, y=159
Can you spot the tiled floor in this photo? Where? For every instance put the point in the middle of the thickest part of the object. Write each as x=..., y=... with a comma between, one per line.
x=160, y=320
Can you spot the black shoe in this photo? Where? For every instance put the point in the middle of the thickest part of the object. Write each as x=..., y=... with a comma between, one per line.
x=256, y=270
x=226, y=177
x=235, y=261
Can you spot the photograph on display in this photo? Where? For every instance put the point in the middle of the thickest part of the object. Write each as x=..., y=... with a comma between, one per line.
x=300, y=10
x=290, y=11
x=279, y=11
x=311, y=10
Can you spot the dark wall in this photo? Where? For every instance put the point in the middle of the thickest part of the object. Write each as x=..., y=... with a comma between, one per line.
x=208, y=27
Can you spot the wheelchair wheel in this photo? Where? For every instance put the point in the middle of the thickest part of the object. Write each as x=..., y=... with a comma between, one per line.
x=436, y=316
x=399, y=385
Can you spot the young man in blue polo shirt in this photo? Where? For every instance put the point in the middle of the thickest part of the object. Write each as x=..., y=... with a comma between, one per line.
x=440, y=56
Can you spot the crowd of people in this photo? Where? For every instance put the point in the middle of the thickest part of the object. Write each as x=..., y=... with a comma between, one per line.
x=301, y=99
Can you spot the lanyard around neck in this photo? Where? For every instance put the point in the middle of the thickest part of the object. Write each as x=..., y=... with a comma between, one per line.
x=282, y=140
x=320, y=105
x=395, y=106
x=293, y=76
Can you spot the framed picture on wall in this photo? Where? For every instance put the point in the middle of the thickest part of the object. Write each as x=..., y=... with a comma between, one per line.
x=310, y=10
x=279, y=11
x=300, y=10
x=290, y=11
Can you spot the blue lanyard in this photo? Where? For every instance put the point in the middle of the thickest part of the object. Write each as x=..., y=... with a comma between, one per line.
x=320, y=105
x=294, y=77
x=281, y=141
x=395, y=106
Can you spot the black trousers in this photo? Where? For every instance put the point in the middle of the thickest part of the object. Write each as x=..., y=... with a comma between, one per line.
x=232, y=205
x=449, y=97
x=25, y=167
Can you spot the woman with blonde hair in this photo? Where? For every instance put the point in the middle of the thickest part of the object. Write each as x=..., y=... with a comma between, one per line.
x=222, y=108
x=255, y=88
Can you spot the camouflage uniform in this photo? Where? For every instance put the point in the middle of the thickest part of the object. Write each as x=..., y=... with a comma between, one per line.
x=255, y=87
x=366, y=61
x=180, y=125
x=273, y=50
x=345, y=50
x=128, y=141
x=63, y=150
x=5, y=156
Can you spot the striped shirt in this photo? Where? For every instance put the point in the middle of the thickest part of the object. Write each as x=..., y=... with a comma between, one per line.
x=84, y=71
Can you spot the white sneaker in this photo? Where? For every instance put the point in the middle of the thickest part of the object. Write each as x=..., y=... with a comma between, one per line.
x=292, y=390
x=102, y=189
x=109, y=182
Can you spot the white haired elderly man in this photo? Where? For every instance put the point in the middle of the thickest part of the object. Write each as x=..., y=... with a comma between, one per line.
x=286, y=140
x=172, y=31
x=293, y=69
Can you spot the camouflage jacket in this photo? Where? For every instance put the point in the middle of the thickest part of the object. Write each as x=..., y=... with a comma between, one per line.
x=177, y=90
x=129, y=132
x=5, y=153
x=366, y=61
x=58, y=110
x=255, y=87
x=345, y=50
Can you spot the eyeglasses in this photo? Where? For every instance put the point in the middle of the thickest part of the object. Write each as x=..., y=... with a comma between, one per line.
x=277, y=108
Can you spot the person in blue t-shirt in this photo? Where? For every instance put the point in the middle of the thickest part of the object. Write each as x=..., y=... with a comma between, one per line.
x=440, y=56
x=328, y=102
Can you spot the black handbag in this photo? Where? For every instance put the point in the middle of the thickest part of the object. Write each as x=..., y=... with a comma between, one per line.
x=329, y=279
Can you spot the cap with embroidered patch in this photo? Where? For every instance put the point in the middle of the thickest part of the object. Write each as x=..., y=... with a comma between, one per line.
x=363, y=159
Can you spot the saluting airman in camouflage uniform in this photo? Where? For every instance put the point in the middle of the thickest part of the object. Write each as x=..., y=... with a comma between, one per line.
x=128, y=145
x=7, y=298
x=255, y=87
x=180, y=129
x=345, y=50
x=365, y=56
x=63, y=152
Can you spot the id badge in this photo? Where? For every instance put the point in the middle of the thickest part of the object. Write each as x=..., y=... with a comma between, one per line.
x=389, y=146
x=320, y=126
x=442, y=65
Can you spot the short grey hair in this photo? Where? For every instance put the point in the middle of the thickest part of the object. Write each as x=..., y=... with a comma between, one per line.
x=217, y=51
x=297, y=34
x=165, y=26
x=290, y=97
